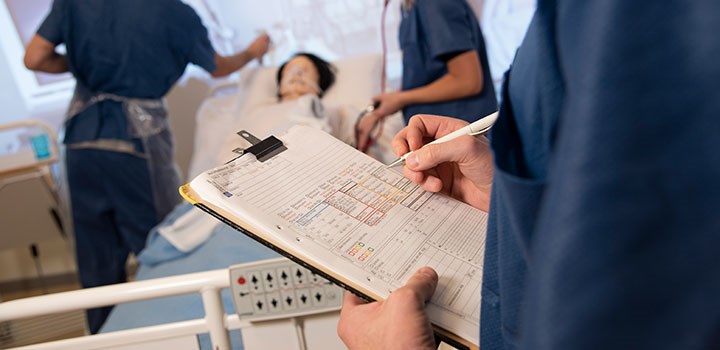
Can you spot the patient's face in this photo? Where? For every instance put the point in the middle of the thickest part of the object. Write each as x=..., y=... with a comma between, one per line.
x=300, y=77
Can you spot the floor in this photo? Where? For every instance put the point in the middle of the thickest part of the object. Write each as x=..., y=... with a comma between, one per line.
x=42, y=328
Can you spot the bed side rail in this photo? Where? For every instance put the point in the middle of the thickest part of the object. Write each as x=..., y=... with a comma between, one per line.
x=208, y=284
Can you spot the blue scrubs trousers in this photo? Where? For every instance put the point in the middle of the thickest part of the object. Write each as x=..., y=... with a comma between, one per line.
x=113, y=211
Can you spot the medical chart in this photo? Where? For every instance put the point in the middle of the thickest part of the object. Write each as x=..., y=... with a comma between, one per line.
x=364, y=214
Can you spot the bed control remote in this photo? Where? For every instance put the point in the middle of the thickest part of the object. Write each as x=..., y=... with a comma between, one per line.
x=279, y=288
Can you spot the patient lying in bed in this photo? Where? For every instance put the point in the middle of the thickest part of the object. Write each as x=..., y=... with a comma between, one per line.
x=301, y=83
x=304, y=74
x=305, y=90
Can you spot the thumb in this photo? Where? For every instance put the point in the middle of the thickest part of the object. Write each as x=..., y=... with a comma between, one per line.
x=423, y=282
x=429, y=156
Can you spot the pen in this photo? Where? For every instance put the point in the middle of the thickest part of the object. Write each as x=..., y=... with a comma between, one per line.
x=478, y=127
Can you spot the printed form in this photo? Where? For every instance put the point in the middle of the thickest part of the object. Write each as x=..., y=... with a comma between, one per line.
x=368, y=215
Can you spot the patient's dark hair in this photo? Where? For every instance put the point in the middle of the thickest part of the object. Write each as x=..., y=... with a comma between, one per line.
x=326, y=71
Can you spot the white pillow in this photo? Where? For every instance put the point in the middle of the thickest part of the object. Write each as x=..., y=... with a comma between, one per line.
x=357, y=80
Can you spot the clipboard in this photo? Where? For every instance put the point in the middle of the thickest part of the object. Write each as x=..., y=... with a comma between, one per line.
x=264, y=150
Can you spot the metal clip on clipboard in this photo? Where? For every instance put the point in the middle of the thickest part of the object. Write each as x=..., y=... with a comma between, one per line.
x=262, y=149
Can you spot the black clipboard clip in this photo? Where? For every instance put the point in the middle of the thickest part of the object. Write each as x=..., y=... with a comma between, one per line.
x=262, y=149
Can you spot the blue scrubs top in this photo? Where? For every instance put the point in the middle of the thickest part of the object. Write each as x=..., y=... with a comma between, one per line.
x=431, y=33
x=604, y=226
x=133, y=48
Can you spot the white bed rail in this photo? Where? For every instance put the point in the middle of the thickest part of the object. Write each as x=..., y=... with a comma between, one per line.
x=207, y=284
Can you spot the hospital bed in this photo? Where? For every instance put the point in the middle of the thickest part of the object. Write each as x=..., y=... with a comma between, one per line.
x=163, y=304
x=292, y=332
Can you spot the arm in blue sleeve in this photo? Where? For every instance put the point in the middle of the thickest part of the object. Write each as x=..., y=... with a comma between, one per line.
x=626, y=251
x=51, y=28
x=195, y=40
x=447, y=25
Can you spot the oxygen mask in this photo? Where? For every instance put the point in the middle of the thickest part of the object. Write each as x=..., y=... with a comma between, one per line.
x=297, y=81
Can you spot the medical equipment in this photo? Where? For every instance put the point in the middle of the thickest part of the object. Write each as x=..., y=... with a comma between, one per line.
x=383, y=85
x=297, y=80
x=29, y=201
x=29, y=147
x=298, y=331
x=367, y=110
x=383, y=75
x=222, y=36
x=279, y=288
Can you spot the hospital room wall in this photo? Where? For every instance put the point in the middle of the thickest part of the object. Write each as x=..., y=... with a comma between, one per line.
x=13, y=107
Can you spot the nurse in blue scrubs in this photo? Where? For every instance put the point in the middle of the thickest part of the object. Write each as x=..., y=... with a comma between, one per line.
x=445, y=66
x=125, y=56
x=603, y=189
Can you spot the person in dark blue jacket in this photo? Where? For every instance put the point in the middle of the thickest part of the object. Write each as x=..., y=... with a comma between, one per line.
x=445, y=66
x=125, y=56
x=604, y=226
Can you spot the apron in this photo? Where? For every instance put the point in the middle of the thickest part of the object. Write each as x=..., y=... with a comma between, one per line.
x=147, y=120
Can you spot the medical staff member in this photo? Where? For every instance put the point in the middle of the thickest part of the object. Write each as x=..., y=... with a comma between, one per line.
x=604, y=226
x=445, y=66
x=125, y=56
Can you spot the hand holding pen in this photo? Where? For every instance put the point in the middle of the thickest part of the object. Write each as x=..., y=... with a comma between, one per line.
x=459, y=166
x=479, y=127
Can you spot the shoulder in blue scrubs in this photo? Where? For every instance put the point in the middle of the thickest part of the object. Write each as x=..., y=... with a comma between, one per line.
x=431, y=33
x=129, y=48
x=604, y=226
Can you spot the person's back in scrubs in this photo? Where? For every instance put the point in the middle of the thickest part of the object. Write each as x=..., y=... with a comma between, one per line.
x=431, y=33
x=126, y=48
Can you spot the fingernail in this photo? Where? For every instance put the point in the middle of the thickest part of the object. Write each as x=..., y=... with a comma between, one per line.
x=428, y=271
x=412, y=161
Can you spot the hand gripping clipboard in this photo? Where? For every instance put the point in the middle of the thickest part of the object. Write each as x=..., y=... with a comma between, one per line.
x=263, y=151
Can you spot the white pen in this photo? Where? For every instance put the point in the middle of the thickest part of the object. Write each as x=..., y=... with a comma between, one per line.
x=478, y=127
